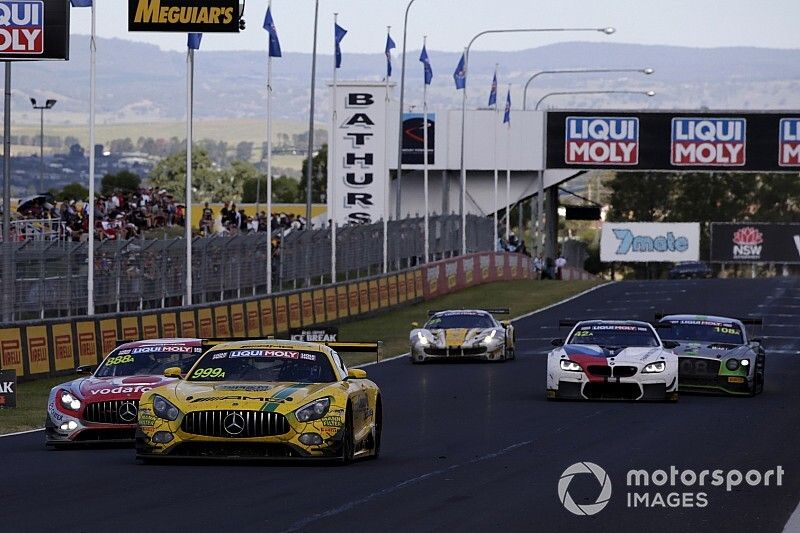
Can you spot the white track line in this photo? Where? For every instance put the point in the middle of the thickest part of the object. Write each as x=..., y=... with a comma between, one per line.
x=21, y=433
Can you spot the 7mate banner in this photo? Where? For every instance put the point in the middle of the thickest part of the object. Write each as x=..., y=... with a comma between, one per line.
x=201, y=16
x=678, y=141
x=755, y=242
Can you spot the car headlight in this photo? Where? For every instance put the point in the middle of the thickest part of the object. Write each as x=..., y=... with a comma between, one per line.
x=489, y=338
x=732, y=364
x=69, y=401
x=654, y=368
x=423, y=340
x=164, y=409
x=314, y=410
x=570, y=366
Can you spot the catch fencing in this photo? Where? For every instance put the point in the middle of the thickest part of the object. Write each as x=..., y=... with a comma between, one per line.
x=48, y=278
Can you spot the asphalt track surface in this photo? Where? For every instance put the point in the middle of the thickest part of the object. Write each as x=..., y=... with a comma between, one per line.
x=469, y=447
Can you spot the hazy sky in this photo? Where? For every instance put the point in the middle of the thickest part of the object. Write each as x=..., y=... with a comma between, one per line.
x=449, y=24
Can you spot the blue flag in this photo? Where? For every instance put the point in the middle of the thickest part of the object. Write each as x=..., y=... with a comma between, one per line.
x=426, y=63
x=274, y=43
x=460, y=74
x=81, y=3
x=193, y=40
x=338, y=35
x=389, y=47
x=507, y=114
x=493, y=92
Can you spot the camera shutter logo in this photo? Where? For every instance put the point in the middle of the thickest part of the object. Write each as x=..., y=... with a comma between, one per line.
x=602, y=498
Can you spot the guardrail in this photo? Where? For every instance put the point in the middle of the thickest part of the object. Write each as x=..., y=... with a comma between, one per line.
x=52, y=347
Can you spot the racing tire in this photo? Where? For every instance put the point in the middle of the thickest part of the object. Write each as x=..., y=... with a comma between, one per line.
x=376, y=443
x=758, y=378
x=348, y=443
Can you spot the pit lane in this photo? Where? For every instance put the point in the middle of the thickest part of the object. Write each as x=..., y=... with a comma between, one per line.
x=468, y=446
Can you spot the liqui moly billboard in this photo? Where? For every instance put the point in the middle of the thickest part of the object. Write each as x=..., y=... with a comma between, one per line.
x=609, y=141
x=34, y=29
x=700, y=141
x=789, y=142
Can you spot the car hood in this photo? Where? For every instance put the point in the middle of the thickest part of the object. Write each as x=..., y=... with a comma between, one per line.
x=247, y=396
x=710, y=350
x=118, y=388
x=590, y=353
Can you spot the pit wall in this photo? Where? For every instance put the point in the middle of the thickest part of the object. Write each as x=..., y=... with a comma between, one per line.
x=39, y=349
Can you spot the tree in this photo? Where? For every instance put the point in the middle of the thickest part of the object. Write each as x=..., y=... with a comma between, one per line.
x=244, y=151
x=170, y=174
x=319, y=177
x=284, y=190
x=123, y=181
x=73, y=191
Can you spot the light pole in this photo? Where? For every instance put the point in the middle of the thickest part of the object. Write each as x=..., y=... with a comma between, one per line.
x=310, y=163
x=540, y=194
x=400, y=123
x=646, y=71
x=47, y=105
x=563, y=93
x=462, y=199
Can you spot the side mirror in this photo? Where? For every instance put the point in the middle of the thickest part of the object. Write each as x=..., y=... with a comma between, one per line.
x=173, y=372
x=85, y=369
x=669, y=345
x=415, y=325
x=505, y=323
x=356, y=373
x=557, y=342
x=757, y=340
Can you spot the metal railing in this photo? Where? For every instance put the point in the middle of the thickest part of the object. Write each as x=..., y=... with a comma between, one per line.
x=48, y=278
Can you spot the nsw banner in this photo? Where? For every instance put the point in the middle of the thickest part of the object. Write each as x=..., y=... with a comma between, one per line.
x=754, y=242
x=650, y=242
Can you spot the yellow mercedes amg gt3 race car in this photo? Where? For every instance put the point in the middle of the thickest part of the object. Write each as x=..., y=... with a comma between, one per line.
x=271, y=399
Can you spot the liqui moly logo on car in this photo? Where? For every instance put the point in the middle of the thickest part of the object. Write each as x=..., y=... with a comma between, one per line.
x=22, y=27
x=713, y=142
x=609, y=141
x=747, y=243
x=789, y=142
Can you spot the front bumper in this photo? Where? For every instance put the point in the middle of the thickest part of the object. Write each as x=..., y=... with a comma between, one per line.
x=87, y=434
x=614, y=390
x=711, y=377
x=486, y=353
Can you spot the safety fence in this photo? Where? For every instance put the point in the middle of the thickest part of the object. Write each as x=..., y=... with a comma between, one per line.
x=52, y=347
x=48, y=279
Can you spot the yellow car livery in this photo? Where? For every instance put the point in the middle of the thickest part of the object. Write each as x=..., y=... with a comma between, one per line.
x=263, y=399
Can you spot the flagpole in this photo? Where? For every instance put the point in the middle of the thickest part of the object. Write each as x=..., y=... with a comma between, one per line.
x=508, y=174
x=188, y=216
x=332, y=164
x=424, y=157
x=92, y=94
x=386, y=177
x=463, y=196
x=269, y=164
x=496, y=163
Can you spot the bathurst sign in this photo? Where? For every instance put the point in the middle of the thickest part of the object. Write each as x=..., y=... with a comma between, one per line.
x=755, y=242
x=34, y=29
x=674, y=141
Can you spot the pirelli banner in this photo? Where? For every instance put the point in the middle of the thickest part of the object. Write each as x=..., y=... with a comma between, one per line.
x=184, y=15
x=357, y=158
x=755, y=242
x=684, y=140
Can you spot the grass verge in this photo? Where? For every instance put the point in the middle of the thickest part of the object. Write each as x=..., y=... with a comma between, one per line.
x=392, y=328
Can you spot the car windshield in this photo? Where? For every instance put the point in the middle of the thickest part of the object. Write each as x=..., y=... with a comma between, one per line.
x=149, y=360
x=704, y=331
x=614, y=335
x=460, y=320
x=264, y=365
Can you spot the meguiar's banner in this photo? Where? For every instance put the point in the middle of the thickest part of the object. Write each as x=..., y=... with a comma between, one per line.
x=201, y=16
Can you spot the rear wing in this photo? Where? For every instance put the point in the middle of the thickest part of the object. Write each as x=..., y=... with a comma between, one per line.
x=493, y=311
x=747, y=321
